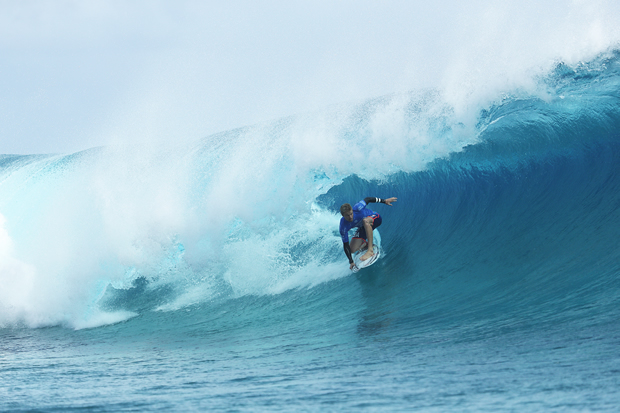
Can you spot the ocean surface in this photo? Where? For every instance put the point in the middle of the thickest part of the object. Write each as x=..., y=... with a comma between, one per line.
x=211, y=276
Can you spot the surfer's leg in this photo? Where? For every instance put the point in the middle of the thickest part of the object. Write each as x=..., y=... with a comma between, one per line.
x=356, y=244
x=368, y=227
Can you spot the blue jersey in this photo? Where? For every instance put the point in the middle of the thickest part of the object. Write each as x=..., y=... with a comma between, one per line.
x=359, y=213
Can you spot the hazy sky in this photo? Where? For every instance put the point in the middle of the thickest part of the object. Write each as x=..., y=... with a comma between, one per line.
x=77, y=74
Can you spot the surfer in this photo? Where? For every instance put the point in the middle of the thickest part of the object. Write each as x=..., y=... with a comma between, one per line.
x=365, y=220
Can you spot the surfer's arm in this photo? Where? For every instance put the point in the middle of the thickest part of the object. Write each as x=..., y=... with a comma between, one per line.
x=347, y=250
x=372, y=199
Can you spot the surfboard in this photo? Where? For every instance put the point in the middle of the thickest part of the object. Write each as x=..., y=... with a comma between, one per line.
x=359, y=264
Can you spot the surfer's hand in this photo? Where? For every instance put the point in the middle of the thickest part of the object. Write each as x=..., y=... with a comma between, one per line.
x=390, y=200
x=352, y=266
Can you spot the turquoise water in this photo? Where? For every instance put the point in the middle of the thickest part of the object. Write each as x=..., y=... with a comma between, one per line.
x=212, y=276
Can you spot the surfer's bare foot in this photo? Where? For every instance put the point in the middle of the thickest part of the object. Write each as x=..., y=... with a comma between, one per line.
x=368, y=254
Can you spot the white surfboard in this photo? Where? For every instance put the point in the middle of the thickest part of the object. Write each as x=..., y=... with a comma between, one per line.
x=359, y=264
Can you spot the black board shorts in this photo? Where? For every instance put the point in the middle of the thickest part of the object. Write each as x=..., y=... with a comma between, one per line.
x=361, y=233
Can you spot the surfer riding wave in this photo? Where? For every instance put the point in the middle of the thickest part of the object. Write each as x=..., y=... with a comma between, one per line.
x=365, y=220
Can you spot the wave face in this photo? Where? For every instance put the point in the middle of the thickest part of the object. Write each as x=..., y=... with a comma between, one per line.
x=501, y=262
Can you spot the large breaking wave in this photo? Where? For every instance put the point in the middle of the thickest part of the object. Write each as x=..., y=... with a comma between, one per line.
x=508, y=211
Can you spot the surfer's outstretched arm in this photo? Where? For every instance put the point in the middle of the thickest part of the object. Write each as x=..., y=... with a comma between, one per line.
x=372, y=199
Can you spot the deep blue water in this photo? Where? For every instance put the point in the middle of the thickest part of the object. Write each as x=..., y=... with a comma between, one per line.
x=212, y=277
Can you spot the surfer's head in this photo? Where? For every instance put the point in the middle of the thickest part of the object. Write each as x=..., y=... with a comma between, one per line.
x=347, y=212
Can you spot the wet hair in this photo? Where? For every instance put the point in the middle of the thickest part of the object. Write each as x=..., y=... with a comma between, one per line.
x=345, y=208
